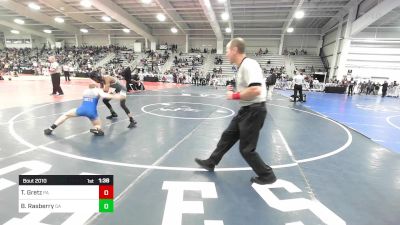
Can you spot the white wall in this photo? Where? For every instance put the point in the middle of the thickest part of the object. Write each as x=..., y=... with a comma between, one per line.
x=95, y=40
x=369, y=59
x=330, y=37
x=69, y=42
x=308, y=43
x=201, y=44
x=378, y=34
x=179, y=40
x=127, y=42
x=253, y=45
x=38, y=42
x=329, y=41
x=101, y=41
x=197, y=42
x=2, y=42
x=10, y=38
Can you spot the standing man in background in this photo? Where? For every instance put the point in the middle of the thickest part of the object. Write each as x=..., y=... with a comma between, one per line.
x=352, y=83
x=384, y=88
x=271, y=81
x=246, y=125
x=298, y=81
x=66, y=69
x=55, y=72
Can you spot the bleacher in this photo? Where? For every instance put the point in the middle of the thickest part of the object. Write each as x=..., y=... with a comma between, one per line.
x=306, y=62
x=189, y=57
x=276, y=61
x=136, y=59
x=29, y=60
x=226, y=66
x=155, y=59
x=122, y=58
x=125, y=57
x=104, y=61
x=82, y=57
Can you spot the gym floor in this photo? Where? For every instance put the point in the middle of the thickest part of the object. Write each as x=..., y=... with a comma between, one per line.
x=333, y=166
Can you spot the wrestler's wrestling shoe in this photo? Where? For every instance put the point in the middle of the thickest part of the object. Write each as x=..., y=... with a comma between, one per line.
x=97, y=132
x=48, y=131
x=132, y=124
x=113, y=115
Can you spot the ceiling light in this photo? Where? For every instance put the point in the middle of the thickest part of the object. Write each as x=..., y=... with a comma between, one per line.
x=299, y=14
x=126, y=30
x=161, y=17
x=33, y=6
x=106, y=18
x=146, y=1
x=228, y=30
x=225, y=16
x=86, y=3
x=14, y=31
x=83, y=30
x=47, y=31
x=290, y=30
x=174, y=30
x=221, y=1
x=59, y=20
x=19, y=21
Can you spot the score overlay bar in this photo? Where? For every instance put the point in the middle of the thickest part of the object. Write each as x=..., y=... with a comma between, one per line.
x=66, y=193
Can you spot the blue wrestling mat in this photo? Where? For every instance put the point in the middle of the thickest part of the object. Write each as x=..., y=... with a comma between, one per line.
x=373, y=116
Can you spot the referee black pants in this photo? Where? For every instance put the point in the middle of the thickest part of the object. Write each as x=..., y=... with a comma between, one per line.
x=67, y=76
x=299, y=88
x=245, y=127
x=55, y=80
x=350, y=91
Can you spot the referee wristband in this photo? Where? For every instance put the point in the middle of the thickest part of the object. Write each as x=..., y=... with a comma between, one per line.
x=236, y=95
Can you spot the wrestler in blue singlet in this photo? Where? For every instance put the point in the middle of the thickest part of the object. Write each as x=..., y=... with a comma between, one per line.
x=88, y=107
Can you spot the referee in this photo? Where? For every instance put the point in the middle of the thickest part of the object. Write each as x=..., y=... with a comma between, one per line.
x=55, y=72
x=246, y=125
x=298, y=86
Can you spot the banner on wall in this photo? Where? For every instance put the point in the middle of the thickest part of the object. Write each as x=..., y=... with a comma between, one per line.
x=163, y=47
